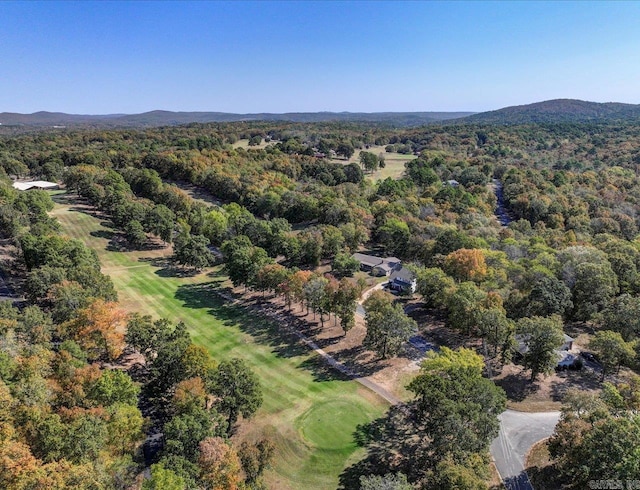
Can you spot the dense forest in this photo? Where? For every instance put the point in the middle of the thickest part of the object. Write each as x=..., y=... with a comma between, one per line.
x=298, y=197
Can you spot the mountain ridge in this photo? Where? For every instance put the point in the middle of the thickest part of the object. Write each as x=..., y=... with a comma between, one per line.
x=548, y=111
x=169, y=118
x=557, y=111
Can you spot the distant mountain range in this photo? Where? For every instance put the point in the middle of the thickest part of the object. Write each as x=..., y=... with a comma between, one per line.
x=550, y=111
x=168, y=118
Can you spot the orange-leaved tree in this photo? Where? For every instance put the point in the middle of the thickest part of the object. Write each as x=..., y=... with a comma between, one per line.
x=466, y=264
x=219, y=464
x=99, y=329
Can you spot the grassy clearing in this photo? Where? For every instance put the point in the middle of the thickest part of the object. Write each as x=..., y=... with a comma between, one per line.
x=308, y=412
x=245, y=144
x=394, y=163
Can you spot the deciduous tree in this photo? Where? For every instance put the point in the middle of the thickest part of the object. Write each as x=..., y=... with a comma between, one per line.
x=388, y=327
x=466, y=264
x=612, y=350
x=238, y=391
x=219, y=465
x=100, y=329
x=541, y=337
x=457, y=408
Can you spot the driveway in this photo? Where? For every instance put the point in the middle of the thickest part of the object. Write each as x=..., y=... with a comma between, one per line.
x=359, y=308
x=518, y=432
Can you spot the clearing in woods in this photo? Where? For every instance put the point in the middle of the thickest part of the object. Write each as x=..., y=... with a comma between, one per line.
x=309, y=413
x=394, y=163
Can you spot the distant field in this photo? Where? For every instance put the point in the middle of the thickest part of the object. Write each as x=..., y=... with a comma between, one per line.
x=394, y=163
x=245, y=144
x=309, y=412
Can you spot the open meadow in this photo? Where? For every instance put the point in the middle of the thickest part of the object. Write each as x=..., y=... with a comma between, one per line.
x=394, y=163
x=309, y=412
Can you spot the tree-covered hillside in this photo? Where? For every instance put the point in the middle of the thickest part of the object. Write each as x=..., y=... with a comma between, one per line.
x=285, y=214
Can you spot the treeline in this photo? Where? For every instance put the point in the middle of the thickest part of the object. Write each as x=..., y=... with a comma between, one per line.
x=74, y=414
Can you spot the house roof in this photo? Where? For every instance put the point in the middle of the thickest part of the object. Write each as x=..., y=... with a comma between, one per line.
x=385, y=266
x=523, y=348
x=403, y=275
x=38, y=184
x=368, y=260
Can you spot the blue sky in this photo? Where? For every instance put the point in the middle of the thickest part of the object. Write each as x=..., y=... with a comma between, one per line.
x=369, y=56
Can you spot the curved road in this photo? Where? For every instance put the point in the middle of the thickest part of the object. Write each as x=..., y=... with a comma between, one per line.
x=518, y=432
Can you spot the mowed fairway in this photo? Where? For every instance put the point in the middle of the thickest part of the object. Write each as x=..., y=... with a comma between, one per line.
x=309, y=411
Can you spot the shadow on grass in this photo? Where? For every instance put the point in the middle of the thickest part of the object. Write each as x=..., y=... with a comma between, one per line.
x=585, y=380
x=106, y=234
x=116, y=242
x=391, y=447
x=282, y=342
x=358, y=359
x=274, y=327
x=517, y=386
x=167, y=268
x=321, y=370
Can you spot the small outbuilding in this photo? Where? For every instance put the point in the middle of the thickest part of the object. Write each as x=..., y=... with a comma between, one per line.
x=568, y=343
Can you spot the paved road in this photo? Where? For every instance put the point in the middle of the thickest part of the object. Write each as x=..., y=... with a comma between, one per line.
x=501, y=211
x=359, y=308
x=518, y=432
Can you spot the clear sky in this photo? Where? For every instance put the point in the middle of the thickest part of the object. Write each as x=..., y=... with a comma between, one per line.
x=127, y=57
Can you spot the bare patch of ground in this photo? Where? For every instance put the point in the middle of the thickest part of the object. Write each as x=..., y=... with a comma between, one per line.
x=494, y=482
x=546, y=393
x=432, y=326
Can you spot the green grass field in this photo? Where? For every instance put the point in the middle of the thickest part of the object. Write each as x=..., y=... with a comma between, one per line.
x=309, y=411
